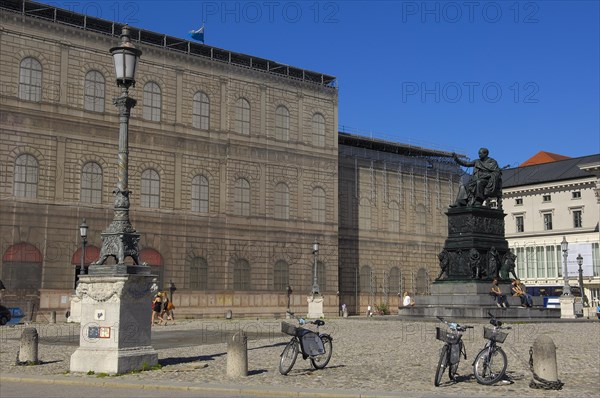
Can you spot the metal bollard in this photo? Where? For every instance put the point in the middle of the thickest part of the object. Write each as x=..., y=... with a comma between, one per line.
x=237, y=355
x=28, y=350
x=542, y=362
x=52, y=316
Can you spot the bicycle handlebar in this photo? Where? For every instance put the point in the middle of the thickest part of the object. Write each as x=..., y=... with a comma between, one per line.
x=453, y=325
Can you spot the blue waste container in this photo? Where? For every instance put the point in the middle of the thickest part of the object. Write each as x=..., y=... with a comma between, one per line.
x=17, y=315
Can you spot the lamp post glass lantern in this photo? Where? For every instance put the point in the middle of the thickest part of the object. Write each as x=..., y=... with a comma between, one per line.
x=315, y=286
x=83, y=228
x=120, y=239
x=580, y=263
x=564, y=246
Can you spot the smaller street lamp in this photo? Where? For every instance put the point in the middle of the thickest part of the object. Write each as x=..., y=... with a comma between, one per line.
x=315, y=286
x=580, y=263
x=564, y=246
x=288, y=290
x=172, y=288
x=83, y=230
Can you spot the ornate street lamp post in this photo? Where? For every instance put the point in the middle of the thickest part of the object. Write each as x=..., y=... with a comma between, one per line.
x=83, y=228
x=172, y=288
x=315, y=286
x=564, y=246
x=120, y=239
x=580, y=263
x=289, y=293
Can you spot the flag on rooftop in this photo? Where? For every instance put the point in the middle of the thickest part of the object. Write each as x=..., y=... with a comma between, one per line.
x=198, y=34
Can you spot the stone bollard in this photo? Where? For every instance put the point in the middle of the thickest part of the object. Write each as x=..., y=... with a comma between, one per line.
x=543, y=364
x=28, y=351
x=52, y=316
x=237, y=355
x=228, y=314
x=345, y=313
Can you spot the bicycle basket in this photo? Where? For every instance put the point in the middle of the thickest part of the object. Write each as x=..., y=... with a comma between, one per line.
x=312, y=344
x=445, y=336
x=288, y=328
x=494, y=335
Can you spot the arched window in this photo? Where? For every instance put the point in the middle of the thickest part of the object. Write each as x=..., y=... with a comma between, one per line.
x=198, y=273
x=155, y=262
x=22, y=267
x=200, y=194
x=201, y=111
x=394, y=217
x=30, y=80
x=364, y=213
x=25, y=177
x=282, y=123
x=282, y=201
x=280, y=276
x=241, y=275
x=242, y=197
x=395, y=281
x=318, y=130
x=422, y=281
x=91, y=183
x=365, y=279
x=242, y=116
x=421, y=219
x=150, y=192
x=318, y=205
x=93, y=91
x=152, y=102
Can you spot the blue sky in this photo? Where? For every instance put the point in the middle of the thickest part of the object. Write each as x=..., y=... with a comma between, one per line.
x=514, y=76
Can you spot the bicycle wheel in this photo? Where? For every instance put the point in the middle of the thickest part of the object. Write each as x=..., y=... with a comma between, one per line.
x=320, y=361
x=441, y=365
x=490, y=365
x=288, y=357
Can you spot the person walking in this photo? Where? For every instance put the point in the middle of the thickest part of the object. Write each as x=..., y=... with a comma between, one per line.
x=157, y=309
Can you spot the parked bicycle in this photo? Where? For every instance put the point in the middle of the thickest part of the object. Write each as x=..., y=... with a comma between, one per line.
x=490, y=364
x=313, y=344
x=452, y=349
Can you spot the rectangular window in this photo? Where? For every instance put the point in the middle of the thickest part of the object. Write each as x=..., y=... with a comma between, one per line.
x=551, y=263
x=548, y=221
x=577, y=221
x=530, y=261
x=520, y=223
x=576, y=194
x=518, y=201
x=540, y=261
x=547, y=198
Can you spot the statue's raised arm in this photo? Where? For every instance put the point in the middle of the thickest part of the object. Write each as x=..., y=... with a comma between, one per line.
x=485, y=182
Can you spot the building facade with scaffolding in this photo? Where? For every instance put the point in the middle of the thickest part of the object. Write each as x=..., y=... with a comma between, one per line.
x=236, y=166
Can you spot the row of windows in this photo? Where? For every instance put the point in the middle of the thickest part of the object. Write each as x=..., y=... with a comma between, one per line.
x=546, y=262
x=26, y=182
x=30, y=89
x=548, y=198
x=577, y=217
x=198, y=279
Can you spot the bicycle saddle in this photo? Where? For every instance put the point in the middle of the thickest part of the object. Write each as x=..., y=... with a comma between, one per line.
x=496, y=322
x=319, y=322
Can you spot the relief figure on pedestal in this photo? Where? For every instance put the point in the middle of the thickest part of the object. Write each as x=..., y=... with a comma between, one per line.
x=508, y=266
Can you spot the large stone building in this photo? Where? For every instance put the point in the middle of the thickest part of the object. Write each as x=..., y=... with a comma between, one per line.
x=549, y=198
x=233, y=166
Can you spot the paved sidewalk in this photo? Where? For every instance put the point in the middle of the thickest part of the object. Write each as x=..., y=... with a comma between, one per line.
x=382, y=356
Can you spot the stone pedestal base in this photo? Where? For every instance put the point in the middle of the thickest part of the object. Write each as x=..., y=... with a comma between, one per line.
x=315, y=306
x=115, y=323
x=75, y=310
x=567, y=307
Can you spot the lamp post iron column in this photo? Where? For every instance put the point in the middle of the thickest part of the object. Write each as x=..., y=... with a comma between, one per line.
x=120, y=239
x=564, y=245
x=580, y=263
x=289, y=293
x=83, y=228
x=315, y=286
